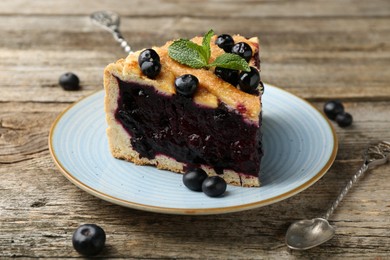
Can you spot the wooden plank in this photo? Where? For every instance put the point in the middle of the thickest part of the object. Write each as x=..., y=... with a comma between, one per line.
x=279, y=34
x=225, y=9
x=321, y=55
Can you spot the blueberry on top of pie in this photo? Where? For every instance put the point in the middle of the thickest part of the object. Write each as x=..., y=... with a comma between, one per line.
x=178, y=117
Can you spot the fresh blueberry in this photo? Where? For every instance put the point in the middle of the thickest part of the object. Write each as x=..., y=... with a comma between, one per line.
x=214, y=186
x=333, y=108
x=151, y=68
x=89, y=239
x=249, y=81
x=69, y=81
x=186, y=84
x=194, y=178
x=148, y=55
x=225, y=42
x=228, y=75
x=344, y=119
x=243, y=49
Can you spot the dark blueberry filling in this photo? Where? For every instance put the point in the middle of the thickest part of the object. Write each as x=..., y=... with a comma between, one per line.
x=176, y=127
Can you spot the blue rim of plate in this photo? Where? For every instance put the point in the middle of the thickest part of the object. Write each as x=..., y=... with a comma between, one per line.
x=199, y=211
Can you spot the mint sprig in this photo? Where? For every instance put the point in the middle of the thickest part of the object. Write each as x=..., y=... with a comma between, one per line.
x=206, y=44
x=197, y=56
x=230, y=61
x=187, y=53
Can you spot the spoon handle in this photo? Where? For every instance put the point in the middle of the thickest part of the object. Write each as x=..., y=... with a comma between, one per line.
x=375, y=155
x=346, y=189
x=110, y=21
x=119, y=38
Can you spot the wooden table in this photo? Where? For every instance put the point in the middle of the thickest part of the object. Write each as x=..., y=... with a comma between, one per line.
x=318, y=50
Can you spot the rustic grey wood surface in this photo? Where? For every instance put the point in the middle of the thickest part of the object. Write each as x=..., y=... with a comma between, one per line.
x=318, y=50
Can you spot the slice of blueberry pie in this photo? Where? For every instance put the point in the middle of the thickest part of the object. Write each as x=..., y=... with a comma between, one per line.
x=189, y=104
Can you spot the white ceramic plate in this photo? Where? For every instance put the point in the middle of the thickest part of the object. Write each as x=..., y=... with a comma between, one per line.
x=299, y=143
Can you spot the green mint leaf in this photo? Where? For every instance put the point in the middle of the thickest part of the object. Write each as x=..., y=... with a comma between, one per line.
x=187, y=53
x=196, y=56
x=206, y=44
x=230, y=61
x=199, y=49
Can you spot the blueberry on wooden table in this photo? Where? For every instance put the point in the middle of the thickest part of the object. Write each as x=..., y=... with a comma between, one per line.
x=89, y=239
x=344, y=119
x=69, y=81
x=333, y=108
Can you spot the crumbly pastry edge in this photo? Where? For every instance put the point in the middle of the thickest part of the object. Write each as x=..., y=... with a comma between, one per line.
x=120, y=141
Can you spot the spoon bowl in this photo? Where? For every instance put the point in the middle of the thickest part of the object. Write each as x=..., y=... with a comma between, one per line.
x=305, y=234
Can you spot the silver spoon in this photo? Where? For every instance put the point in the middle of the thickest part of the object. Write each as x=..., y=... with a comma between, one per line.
x=305, y=234
x=110, y=21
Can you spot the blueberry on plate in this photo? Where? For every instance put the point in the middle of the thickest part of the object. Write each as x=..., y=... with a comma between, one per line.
x=151, y=68
x=194, y=178
x=344, y=119
x=333, y=108
x=186, y=85
x=214, y=186
x=249, y=81
x=148, y=55
x=89, y=239
x=228, y=75
x=69, y=81
x=243, y=49
x=225, y=42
